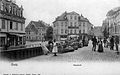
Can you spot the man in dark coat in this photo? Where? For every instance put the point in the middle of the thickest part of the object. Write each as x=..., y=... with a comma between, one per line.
x=112, y=43
x=117, y=43
x=94, y=42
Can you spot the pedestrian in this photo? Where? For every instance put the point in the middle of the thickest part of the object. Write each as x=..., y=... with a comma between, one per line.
x=105, y=42
x=94, y=42
x=44, y=48
x=100, y=45
x=112, y=43
x=117, y=44
x=50, y=45
x=55, y=48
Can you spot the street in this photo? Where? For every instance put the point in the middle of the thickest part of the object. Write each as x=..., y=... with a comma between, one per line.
x=83, y=61
x=80, y=55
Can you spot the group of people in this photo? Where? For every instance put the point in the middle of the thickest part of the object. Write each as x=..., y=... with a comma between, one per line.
x=112, y=42
x=52, y=47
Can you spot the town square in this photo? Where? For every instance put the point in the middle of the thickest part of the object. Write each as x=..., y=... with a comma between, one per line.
x=57, y=37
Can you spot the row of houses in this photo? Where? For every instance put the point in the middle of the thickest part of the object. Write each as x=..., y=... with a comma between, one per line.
x=66, y=25
x=14, y=33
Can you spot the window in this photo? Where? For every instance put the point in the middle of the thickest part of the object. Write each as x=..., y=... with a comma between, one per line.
x=70, y=23
x=62, y=24
x=3, y=24
x=11, y=25
x=75, y=24
x=75, y=17
x=54, y=25
x=61, y=31
x=71, y=31
x=16, y=26
x=66, y=31
x=71, y=17
x=75, y=31
x=66, y=24
x=84, y=24
x=21, y=27
x=6, y=8
x=2, y=6
x=83, y=31
x=11, y=9
x=80, y=31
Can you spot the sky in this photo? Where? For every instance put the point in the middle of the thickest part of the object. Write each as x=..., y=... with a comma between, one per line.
x=48, y=10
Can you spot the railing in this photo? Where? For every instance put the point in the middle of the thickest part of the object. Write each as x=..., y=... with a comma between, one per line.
x=22, y=53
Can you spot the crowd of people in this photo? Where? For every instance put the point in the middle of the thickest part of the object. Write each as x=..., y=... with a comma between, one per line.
x=111, y=42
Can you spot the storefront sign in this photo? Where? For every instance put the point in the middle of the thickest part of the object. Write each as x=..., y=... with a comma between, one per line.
x=12, y=18
x=2, y=35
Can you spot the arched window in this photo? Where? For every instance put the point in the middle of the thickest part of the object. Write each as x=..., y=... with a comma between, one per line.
x=2, y=6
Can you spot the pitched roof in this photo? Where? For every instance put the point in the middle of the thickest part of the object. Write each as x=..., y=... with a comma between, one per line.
x=113, y=11
x=33, y=25
x=62, y=17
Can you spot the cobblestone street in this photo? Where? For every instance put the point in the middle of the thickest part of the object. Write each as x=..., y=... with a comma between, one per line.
x=80, y=55
x=83, y=61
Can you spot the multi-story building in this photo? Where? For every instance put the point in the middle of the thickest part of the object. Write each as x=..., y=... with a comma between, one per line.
x=12, y=24
x=36, y=30
x=112, y=22
x=70, y=25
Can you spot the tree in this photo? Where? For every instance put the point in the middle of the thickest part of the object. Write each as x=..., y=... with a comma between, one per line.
x=49, y=33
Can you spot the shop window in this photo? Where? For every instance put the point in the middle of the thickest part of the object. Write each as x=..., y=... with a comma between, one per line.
x=3, y=24
x=2, y=41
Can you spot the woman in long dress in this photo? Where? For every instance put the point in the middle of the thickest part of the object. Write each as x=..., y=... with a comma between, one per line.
x=100, y=45
x=55, y=49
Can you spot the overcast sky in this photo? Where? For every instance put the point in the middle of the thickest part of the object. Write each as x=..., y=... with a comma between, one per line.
x=48, y=10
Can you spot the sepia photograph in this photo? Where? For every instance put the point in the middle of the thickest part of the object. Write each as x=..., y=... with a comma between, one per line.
x=59, y=37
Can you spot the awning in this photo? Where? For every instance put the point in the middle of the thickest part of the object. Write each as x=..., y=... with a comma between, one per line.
x=2, y=35
x=73, y=36
x=20, y=35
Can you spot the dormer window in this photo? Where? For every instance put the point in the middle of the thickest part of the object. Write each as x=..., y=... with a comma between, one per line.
x=2, y=6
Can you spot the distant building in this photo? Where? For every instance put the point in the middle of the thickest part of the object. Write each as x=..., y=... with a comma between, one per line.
x=36, y=30
x=70, y=25
x=97, y=31
x=12, y=24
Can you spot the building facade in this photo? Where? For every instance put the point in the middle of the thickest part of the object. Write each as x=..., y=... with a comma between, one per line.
x=112, y=22
x=70, y=25
x=36, y=30
x=97, y=31
x=12, y=24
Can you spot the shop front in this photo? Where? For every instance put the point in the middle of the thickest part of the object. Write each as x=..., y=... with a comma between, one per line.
x=2, y=40
x=15, y=40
